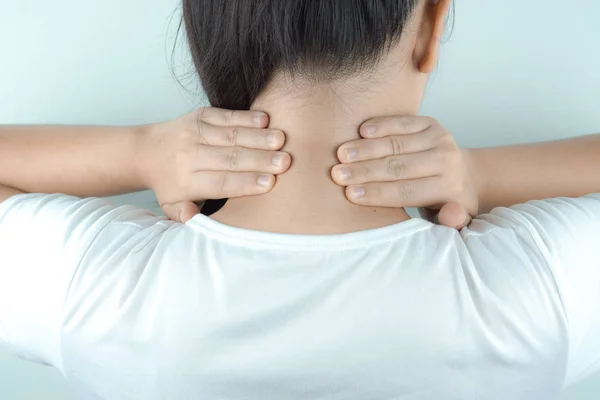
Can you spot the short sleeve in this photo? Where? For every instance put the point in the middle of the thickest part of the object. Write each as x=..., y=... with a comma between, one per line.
x=42, y=241
x=567, y=232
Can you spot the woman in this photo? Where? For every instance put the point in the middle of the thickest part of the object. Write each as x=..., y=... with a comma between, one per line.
x=300, y=293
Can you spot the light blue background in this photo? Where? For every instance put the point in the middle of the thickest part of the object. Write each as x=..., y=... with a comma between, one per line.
x=513, y=71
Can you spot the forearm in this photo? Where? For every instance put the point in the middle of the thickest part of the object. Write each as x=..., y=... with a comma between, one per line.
x=516, y=174
x=77, y=160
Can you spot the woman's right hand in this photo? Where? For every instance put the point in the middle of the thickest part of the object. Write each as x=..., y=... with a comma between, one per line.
x=210, y=153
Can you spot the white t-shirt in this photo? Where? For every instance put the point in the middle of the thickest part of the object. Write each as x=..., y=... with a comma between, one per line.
x=132, y=306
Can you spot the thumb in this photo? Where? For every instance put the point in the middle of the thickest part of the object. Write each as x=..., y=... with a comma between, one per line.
x=180, y=212
x=454, y=215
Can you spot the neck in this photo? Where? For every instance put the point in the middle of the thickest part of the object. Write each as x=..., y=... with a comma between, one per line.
x=305, y=200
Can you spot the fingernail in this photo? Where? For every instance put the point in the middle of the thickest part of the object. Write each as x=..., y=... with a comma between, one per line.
x=369, y=130
x=357, y=192
x=259, y=118
x=352, y=154
x=264, y=181
x=345, y=173
x=277, y=161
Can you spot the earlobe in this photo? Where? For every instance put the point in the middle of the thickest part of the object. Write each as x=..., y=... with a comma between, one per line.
x=436, y=14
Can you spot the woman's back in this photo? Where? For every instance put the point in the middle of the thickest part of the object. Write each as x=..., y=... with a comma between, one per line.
x=128, y=305
x=204, y=310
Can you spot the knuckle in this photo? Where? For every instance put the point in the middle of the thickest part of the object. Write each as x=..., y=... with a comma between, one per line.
x=201, y=132
x=202, y=111
x=184, y=136
x=220, y=183
x=396, y=145
x=405, y=192
x=233, y=158
x=432, y=121
x=395, y=168
x=448, y=140
x=229, y=117
x=439, y=137
x=232, y=136
x=223, y=179
x=365, y=171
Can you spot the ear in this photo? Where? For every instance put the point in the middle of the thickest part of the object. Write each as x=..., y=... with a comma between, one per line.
x=427, y=49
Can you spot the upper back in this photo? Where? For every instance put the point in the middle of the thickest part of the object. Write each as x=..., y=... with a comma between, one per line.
x=413, y=309
x=155, y=309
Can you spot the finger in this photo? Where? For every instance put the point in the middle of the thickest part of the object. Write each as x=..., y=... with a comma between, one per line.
x=454, y=215
x=413, y=193
x=227, y=184
x=389, y=169
x=370, y=149
x=396, y=125
x=240, y=159
x=252, y=138
x=180, y=212
x=221, y=117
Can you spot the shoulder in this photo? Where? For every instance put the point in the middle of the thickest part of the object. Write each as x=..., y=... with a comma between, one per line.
x=561, y=229
x=63, y=223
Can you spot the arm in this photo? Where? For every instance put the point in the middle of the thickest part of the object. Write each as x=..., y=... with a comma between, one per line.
x=424, y=167
x=77, y=160
x=185, y=160
x=45, y=239
x=516, y=174
x=560, y=238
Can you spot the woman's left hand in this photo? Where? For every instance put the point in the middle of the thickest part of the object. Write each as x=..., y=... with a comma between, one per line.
x=410, y=161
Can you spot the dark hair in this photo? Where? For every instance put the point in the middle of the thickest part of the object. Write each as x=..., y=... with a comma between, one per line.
x=237, y=45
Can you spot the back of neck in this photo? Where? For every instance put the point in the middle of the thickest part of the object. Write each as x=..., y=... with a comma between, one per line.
x=305, y=200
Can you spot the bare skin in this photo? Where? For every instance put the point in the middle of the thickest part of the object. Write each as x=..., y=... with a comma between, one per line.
x=215, y=153
x=317, y=119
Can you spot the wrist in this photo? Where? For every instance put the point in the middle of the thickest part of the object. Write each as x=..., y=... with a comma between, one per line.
x=479, y=175
x=144, y=139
